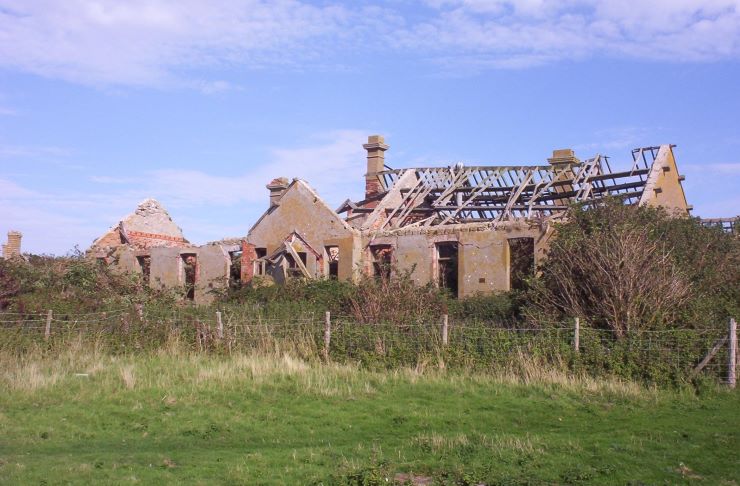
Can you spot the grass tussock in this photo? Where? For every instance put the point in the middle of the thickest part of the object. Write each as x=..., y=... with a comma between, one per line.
x=176, y=364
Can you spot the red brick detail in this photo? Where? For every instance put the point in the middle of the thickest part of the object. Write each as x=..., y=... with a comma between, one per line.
x=249, y=255
x=372, y=188
x=155, y=236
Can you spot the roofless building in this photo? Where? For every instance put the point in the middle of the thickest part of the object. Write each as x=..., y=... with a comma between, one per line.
x=470, y=229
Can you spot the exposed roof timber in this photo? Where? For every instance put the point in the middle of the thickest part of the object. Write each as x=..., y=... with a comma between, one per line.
x=459, y=194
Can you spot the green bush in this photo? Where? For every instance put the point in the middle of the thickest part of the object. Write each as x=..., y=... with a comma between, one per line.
x=626, y=268
x=71, y=284
x=501, y=307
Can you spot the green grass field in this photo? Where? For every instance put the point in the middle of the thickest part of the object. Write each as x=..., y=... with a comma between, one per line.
x=174, y=417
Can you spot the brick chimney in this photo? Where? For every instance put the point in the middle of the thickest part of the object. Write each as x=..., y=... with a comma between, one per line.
x=376, y=148
x=13, y=247
x=563, y=157
x=277, y=188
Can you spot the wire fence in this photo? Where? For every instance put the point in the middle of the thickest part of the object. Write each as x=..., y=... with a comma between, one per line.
x=673, y=356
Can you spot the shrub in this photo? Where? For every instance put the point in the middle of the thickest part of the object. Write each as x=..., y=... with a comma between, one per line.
x=69, y=284
x=396, y=299
x=628, y=268
x=498, y=307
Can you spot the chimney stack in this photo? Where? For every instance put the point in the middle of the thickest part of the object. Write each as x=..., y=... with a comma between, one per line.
x=13, y=248
x=376, y=148
x=563, y=157
x=277, y=188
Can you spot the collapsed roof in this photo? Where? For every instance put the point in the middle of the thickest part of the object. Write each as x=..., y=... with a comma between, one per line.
x=439, y=196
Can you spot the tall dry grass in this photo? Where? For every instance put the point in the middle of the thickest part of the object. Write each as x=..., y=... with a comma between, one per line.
x=176, y=366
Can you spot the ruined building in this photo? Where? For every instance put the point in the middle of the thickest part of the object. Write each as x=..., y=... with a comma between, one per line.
x=470, y=229
x=12, y=249
x=148, y=242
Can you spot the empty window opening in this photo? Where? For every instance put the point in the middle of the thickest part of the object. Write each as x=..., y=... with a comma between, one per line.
x=521, y=262
x=332, y=259
x=294, y=270
x=190, y=273
x=382, y=256
x=235, y=269
x=260, y=264
x=145, y=266
x=447, y=254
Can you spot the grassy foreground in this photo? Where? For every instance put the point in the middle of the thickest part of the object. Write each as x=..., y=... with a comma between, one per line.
x=171, y=417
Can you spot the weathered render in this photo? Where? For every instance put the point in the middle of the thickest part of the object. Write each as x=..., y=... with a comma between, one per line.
x=473, y=229
x=299, y=235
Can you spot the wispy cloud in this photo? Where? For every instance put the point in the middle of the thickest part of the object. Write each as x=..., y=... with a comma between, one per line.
x=32, y=151
x=728, y=168
x=327, y=164
x=166, y=42
x=618, y=139
x=146, y=42
x=212, y=205
x=516, y=34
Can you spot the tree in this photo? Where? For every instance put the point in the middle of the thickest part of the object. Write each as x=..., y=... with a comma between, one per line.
x=627, y=267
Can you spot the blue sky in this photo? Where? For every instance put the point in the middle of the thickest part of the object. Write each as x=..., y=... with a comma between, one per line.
x=199, y=104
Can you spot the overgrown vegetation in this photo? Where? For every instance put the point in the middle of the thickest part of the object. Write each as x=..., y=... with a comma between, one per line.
x=627, y=272
x=71, y=284
x=625, y=268
x=144, y=387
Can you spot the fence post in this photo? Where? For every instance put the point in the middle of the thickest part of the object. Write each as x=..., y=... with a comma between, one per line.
x=327, y=335
x=732, y=357
x=577, y=335
x=220, y=325
x=47, y=331
x=445, y=329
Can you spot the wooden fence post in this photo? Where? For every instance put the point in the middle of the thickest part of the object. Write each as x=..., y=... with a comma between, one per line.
x=445, y=329
x=327, y=335
x=220, y=325
x=732, y=355
x=577, y=335
x=47, y=331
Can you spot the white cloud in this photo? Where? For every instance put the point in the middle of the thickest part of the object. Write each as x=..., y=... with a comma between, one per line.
x=29, y=151
x=620, y=139
x=183, y=42
x=328, y=164
x=728, y=168
x=145, y=42
x=509, y=33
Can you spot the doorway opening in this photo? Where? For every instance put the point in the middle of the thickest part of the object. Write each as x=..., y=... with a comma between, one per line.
x=190, y=273
x=145, y=266
x=332, y=259
x=382, y=259
x=521, y=262
x=447, y=259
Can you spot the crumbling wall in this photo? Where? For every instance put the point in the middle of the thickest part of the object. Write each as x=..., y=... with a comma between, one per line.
x=663, y=187
x=213, y=272
x=483, y=260
x=299, y=209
